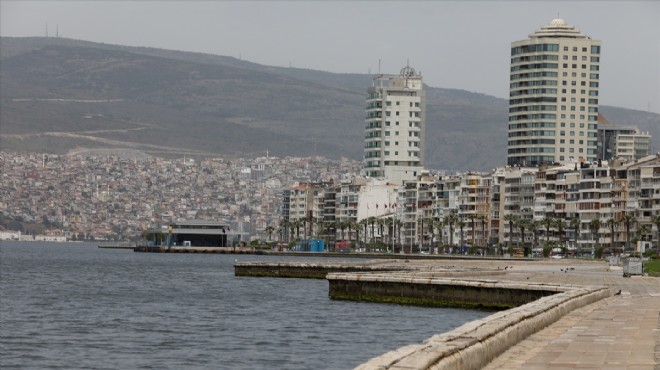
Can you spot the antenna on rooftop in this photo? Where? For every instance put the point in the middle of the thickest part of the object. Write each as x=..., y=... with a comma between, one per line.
x=378, y=66
x=46, y=29
x=57, y=30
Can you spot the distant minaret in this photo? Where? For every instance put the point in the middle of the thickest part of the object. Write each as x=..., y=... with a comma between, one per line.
x=46, y=29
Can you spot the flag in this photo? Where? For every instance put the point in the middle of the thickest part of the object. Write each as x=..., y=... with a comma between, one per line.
x=367, y=205
x=376, y=205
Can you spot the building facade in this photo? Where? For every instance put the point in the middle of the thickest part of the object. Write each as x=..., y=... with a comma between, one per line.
x=553, y=97
x=394, y=127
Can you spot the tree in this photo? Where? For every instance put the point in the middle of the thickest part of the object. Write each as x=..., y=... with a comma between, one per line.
x=461, y=224
x=642, y=231
x=656, y=221
x=627, y=220
x=560, y=224
x=534, y=228
x=284, y=225
x=451, y=220
x=364, y=223
x=482, y=219
x=473, y=217
x=594, y=226
x=611, y=224
x=397, y=226
x=522, y=225
x=548, y=222
x=269, y=230
x=511, y=219
x=381, y=227
x=372, y=222
x=575, y=225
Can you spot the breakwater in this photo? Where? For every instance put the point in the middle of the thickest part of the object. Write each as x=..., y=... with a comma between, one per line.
x=523, y=307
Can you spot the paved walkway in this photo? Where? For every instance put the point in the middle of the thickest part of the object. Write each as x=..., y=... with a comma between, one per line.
x=620, y=332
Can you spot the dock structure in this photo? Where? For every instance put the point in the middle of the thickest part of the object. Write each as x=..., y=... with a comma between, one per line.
x=610, y=321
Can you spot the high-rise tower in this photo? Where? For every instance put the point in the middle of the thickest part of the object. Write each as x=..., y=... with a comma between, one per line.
x=394, y=127
x=553, y=97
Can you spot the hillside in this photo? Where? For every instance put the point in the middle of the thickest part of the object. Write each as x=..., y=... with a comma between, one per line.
x=59, y=95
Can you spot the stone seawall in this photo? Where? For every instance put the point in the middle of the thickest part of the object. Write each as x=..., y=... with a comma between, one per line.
x=438, y=292
x=475, y=344
x=307, y=270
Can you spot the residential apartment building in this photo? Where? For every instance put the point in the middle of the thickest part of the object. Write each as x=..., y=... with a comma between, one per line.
x=624, y=142
x=553, y=97
x=394, y=127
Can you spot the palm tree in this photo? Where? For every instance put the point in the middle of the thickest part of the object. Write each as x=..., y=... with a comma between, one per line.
x=284, y=225
x=461, y=224
x=656, y=221
x=611, y=224
x=372, y=222
x=472, y=217
x=364, y=222
x=560, y=224
x=353, y=225
x=534, y=228
x=594, y=226
x=269, y=230
x=642, y=231
x=627, y=220
x=342, y=226
x=575, y=225
x=397, y=226
x=548, y=222
x=482, y=219
x=522, y=225
x=450, y=220
x=511, y=219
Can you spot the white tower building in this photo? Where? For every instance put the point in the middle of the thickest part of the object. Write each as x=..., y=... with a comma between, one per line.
x=553, y=106
x=394, y=127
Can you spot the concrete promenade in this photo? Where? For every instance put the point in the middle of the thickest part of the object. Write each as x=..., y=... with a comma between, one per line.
x=619, y=332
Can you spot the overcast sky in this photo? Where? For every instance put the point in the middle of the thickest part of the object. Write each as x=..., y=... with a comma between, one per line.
x=455, y=44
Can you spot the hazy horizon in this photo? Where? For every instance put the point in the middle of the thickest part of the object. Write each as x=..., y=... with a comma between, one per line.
x=459, y=45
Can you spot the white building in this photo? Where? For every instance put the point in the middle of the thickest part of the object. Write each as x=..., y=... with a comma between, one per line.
x=553, y=106
x=394, y=127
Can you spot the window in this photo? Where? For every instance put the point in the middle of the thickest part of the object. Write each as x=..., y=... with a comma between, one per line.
x=565, y=48
x=387, y=123
x=563, y=124
x=572, y=124
x=572, y=142
x=594, y=67
x=397, y=103
x=387, y=133
x=387, y=152
x=595, y=59
x=584, y=57
x=561, y=150
x=389, y=103
x=564, y=74
x=397, y=123
x=396, y=133
x=595, y=50
x=397, y=112
x=574, y=48
x=387, y=113
x=387, y=143
x=593, y=76
x=565, y=65
x=574, y=57
x=574, y=75
x=565, y=57
x=562, y=141
x=584, y=49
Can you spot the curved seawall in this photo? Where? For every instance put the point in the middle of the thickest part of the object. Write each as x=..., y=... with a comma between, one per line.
x=474, y=344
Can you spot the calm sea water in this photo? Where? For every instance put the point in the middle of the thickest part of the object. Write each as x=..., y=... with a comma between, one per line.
x=76, y=306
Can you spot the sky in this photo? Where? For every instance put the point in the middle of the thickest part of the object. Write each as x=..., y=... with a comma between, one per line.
x=455, y=44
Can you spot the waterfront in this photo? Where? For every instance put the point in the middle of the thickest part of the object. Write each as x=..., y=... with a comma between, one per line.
x=77, y=306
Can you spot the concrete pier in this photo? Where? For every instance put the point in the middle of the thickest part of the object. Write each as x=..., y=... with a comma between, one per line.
x=309, y=270
x=569, y=314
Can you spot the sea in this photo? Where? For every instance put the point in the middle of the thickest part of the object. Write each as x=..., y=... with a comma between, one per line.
x=76, y=306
